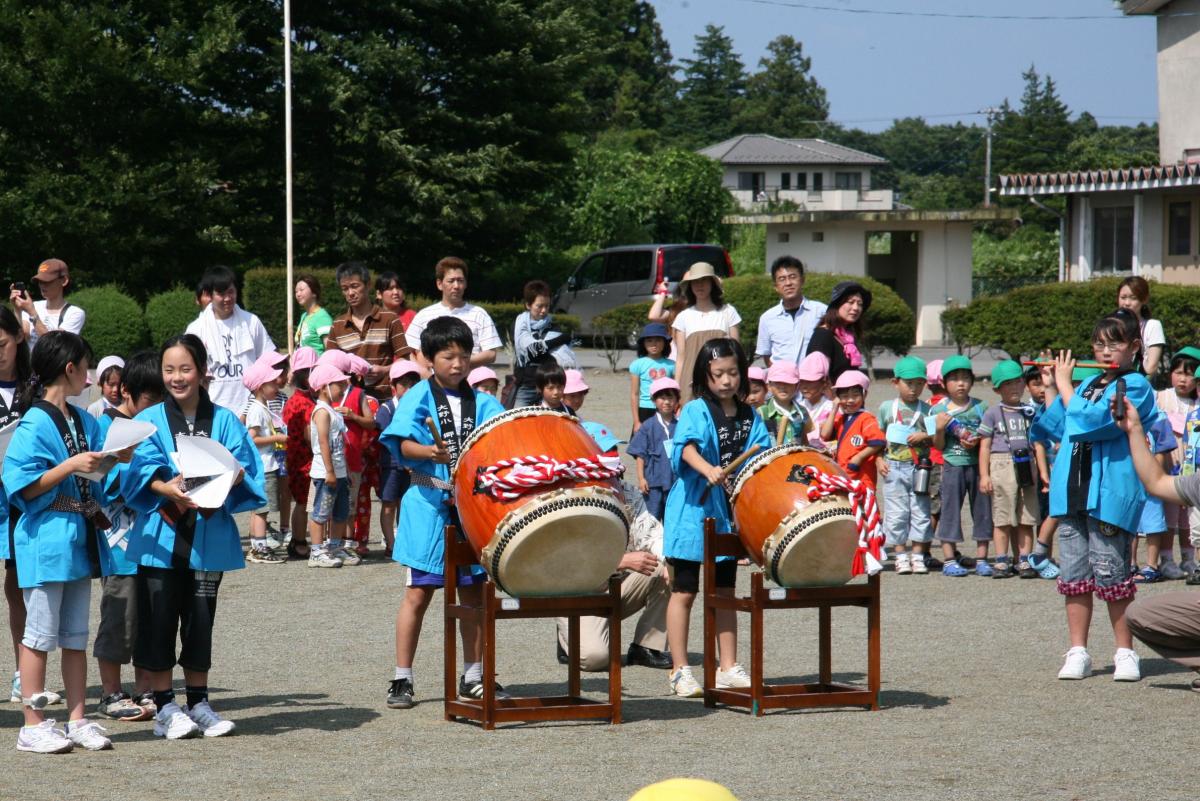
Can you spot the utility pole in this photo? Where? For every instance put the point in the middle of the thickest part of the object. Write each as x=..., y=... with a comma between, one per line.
x=990, y=112
x=287, y=162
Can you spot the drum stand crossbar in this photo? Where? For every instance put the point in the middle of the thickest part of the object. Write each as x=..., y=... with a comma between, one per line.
x=760, y=696
x=491, y=710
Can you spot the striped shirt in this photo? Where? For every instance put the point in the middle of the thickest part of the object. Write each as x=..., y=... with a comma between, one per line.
x=380, y=342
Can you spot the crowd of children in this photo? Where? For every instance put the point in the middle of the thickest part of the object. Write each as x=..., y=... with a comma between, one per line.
x=314, y=446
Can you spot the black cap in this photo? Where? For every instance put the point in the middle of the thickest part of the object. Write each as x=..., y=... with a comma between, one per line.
x=845, y=289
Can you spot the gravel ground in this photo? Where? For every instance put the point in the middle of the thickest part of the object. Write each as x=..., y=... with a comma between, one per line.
x=971, y=706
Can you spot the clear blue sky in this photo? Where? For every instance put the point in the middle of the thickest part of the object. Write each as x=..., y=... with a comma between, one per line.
x=878, y=67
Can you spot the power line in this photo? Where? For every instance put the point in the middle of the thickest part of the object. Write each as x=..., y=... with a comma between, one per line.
x=953, y=15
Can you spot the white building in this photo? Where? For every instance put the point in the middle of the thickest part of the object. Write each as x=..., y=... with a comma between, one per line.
x=1143, y=221
x=842, y=225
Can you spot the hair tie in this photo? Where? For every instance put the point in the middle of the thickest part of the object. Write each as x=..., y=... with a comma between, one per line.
x=33, y=380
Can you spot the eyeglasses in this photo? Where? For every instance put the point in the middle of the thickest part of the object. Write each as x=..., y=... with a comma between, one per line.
x=788, y=278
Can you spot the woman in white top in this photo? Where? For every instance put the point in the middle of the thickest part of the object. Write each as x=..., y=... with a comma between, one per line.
x=1134, y=295
x=707, y=316
x=53, y=312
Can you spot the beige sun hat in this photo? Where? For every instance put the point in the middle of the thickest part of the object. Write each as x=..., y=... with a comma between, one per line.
x=700, y=269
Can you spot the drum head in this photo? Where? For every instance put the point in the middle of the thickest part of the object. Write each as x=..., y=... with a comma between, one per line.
x=568, y=544
x=816, y=550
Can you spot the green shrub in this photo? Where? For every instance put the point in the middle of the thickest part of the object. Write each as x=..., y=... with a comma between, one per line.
x=1024, y=321
x=889, y=323
x=169, y=313
x=115, y=324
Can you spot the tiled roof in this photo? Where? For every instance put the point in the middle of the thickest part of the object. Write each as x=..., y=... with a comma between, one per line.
x=1046, y=183
x=764, y=149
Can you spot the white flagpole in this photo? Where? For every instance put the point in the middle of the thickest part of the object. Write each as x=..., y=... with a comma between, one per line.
x=287, y=137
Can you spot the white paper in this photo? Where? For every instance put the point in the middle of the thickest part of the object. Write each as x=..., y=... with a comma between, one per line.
x=6, y=434
x=121, y=435
x=201, y=457
x=212, y=494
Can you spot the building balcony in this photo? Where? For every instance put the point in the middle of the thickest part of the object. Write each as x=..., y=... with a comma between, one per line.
x=816, y=200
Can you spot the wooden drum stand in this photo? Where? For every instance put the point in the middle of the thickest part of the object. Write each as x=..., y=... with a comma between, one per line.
x=761, y=696
x=491, y=710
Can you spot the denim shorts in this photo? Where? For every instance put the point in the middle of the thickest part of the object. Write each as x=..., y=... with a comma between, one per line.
x=56, y=615
x=330, y=501
x=1094, y=558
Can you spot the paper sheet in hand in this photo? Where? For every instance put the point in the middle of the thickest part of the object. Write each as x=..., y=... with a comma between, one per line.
x=203, y=458
x=122, y=434
x=6, y=434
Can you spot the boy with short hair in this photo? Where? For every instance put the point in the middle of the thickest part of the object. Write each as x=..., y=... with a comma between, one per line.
x=550, y=380
x=651, y=444
x=1007, y=468
x=781, y=409
x=456, y=410
x=393, y=479
x=955, y=425
x=906, y=512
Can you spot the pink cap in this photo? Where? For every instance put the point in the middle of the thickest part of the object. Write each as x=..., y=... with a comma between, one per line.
x=272, y=358
x=757, y=374
x=481, y=374
x=852, y=378
x=346, y=362
x=325, y=374
x=304, y=358
x=933, y=372
x=260, y=373
x=403, y=367
x=814, y=367
x=575, y=383
x=659, y=384
x=784, y=373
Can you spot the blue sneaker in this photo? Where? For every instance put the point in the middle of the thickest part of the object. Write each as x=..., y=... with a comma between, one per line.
x=953, y=568
x=1044, y=566
x=982, y=568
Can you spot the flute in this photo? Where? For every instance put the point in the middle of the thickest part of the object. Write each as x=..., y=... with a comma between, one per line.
x=1086, y=365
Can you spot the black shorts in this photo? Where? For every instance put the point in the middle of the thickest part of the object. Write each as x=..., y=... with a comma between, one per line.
x=174, y=602
x=685, y=574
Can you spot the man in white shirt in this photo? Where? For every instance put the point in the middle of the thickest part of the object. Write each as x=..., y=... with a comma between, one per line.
x=234, y=338
x=451, y=275
x=785, y=328
x=53, y=312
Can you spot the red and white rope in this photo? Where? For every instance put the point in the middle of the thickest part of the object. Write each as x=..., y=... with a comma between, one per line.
x=866, y=516
x=512, y=478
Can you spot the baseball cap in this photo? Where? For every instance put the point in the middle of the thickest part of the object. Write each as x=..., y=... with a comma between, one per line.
x=1084, y=373
x=481, y=374
x=606, y=439
x=661, y=384
x=908, y=368
x=1006, y=370
x=272, y=357
x=325, y=374
x=1188, y=352
x=51, y=269
x=783, y=373
x=403, y=367
x=260, y=373
x=852, y=378
x=814, y=367
x=575, y=383
x=757, y=374
x=304, y=358
x=958, y=362
x=344, y=362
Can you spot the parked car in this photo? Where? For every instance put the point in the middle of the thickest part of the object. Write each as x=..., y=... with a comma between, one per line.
x=628, y=274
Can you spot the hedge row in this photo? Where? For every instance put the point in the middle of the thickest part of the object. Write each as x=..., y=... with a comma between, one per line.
x=889, y=322
x=1024, y=321
x=117, y=325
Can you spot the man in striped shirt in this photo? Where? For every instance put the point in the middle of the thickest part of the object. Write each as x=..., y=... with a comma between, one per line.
x=366, y=330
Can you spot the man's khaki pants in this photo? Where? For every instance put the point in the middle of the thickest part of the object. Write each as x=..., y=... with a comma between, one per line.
x=639, y=593
x=1170, y=624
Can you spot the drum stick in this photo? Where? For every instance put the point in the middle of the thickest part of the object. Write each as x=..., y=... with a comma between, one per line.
x=782, y=432
x=1086, y=365
x=437, y=438
x=728, y=469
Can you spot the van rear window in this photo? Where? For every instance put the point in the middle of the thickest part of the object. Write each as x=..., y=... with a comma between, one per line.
x=676, y=261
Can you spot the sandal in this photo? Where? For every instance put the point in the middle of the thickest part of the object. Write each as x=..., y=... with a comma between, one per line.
x=298, y=549
x=1147, y=575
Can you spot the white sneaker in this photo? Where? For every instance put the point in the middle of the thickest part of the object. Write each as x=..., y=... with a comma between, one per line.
x=1171, y=571
x=735, y=677
x=903, y=565
x=1127, y=665
x=323, y=558
x=88, y=734
x=348, y=557
x=212, y=724
x=43, y=739
x=918, y=564
x=174, y=724
x=684, y=685
x=1078, y=664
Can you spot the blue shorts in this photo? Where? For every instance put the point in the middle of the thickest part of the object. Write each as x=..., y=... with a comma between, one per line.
x=330, y=501
x=57, y=614
x=393, y=483
x=421, y=578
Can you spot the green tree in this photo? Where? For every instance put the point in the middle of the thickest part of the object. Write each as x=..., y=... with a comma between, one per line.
x=713, y=89
x=1035, y=137
x=782, y=98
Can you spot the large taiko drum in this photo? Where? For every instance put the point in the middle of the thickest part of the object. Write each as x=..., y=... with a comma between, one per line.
x=798, y=543
x=564, y=538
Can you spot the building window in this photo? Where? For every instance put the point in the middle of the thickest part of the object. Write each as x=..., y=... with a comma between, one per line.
x=1112, y=243
x=802, y=181
x=818, y=236
x=784, y=237
x=847, y=180
x=1179, y=229
x=752, y=181
x=785, y=180
x=818, y=181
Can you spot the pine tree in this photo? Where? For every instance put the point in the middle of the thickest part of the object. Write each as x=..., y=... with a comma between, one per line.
x=712, y=91
x=782, y=98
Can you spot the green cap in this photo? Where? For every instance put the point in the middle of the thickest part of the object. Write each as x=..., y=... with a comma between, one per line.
x=958, y=362
x=1187, y=353
x=1084, y=373
x=1006, y=370
x=909, y=367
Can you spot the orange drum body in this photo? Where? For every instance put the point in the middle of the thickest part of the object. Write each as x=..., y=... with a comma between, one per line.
x=798, y=543
x=560, y=539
